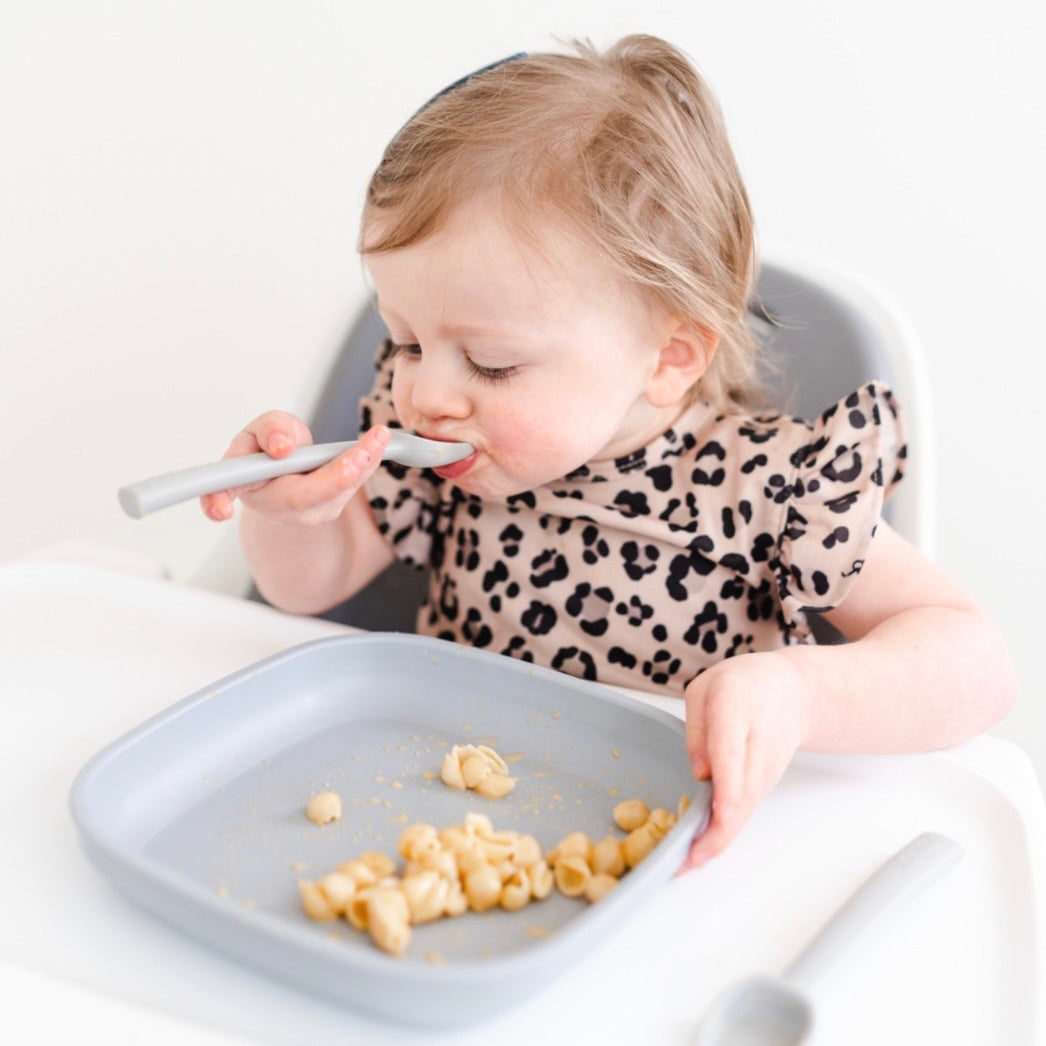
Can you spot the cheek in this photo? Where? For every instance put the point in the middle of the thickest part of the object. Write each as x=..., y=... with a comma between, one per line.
x=528, y=444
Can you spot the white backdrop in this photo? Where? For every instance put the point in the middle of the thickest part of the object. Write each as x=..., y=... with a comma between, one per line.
x=180, y=183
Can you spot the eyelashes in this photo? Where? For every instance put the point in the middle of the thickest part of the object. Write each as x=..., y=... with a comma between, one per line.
x=492, y=375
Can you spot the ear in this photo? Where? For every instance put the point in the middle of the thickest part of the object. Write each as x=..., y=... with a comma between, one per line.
x=685, y=354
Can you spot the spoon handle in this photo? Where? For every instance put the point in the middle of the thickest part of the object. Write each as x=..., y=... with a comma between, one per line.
x=909, y=870
x=149, y=495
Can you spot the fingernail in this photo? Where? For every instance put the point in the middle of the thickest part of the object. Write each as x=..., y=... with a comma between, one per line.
x=278, y=443
x=700, y=767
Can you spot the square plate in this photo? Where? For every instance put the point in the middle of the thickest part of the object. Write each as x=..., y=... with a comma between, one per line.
x=198, y=814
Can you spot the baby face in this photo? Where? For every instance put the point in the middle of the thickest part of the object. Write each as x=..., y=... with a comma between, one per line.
x=540, y=359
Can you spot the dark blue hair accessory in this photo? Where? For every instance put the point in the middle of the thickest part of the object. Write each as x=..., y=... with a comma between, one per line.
x=476, y=72
x=468, y=76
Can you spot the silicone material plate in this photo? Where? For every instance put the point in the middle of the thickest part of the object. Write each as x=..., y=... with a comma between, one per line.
x=198, y=814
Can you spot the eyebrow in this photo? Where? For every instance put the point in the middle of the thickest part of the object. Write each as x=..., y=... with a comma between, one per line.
x=463, y=330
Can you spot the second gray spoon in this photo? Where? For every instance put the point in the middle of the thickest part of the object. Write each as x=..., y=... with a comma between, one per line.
x=764, y=1011
x=139, y=499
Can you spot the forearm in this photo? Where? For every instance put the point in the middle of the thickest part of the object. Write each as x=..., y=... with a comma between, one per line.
x=925, y=678
x=298, y=568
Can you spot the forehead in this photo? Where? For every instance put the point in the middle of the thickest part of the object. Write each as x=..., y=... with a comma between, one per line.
x=485, y=256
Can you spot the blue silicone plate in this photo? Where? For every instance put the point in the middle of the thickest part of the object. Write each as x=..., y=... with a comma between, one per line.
x=198, y=814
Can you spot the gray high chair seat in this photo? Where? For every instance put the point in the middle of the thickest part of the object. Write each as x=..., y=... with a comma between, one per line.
x=828, y=333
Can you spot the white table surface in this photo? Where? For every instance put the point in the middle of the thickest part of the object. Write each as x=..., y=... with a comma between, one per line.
x=88, y=653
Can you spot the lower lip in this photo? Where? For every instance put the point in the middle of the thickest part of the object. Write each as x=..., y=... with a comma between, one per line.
x=457, y=468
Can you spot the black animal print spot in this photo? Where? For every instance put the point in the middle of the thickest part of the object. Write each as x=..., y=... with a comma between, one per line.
x=596, y=547
x=838, y=471
x=735, y=561
x=516, y=647
x=639, y=562
x=680, y=569
x=493, y=577
x=708, y=479
x=524, y=500
x=617, y=655
x=591, y=607
x=474, y=630
x=632, y=503
x=729, y=527
x=636, y=609
x=837, y=536
x=510, y=538
x=762, y=545
x=557, y=569
x=661, y=667
x=842, y=504
x=761, y=605
x=661, y=477
x=539, y=618
x=575, y=662
x=467, y=555
x=704, y=627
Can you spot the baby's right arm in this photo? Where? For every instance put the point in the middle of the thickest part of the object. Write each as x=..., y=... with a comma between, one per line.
x=310, y=543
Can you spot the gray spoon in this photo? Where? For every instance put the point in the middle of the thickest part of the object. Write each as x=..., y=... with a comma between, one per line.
x=764, y=1011
x=139, y=499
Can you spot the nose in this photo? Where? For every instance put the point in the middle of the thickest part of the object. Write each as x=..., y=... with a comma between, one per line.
x=439, y=388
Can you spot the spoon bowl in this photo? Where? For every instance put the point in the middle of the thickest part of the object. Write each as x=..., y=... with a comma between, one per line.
x=758, y=1011
x=764, y=1011
x=149, y=495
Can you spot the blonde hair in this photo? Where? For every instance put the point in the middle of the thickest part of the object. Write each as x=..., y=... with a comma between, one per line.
x=625, y=148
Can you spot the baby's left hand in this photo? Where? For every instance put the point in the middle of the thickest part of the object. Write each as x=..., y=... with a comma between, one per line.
x=745, y=718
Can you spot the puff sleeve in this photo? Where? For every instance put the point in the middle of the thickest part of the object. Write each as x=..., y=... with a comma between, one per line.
x=842, y=477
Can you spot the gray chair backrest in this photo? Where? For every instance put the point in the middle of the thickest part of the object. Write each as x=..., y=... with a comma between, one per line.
x=819, y=347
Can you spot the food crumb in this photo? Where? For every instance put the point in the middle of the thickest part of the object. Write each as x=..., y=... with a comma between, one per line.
x=434, y=957
x=324, y=808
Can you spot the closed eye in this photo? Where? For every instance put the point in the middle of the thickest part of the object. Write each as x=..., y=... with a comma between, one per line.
x=493, y=375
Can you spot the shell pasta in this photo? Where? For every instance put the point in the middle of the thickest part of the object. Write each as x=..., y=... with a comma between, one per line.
x=474, y=867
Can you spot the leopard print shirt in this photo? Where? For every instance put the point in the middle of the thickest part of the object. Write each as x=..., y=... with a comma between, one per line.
x=716, y=539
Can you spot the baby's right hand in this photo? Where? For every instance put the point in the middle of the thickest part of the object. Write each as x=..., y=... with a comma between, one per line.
x=303, y=498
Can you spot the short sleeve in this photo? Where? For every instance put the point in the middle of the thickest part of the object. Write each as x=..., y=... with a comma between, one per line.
x=404, y=501
x=842, y=477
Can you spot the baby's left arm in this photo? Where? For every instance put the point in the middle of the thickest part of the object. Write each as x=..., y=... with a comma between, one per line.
x=924, y=668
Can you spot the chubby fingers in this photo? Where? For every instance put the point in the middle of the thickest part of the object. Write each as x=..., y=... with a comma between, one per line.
x=276, y=433
x=333, y=484
x=732, y=803
x=718, y=746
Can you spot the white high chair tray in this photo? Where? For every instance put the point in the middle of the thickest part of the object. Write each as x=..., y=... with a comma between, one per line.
x=199, y=814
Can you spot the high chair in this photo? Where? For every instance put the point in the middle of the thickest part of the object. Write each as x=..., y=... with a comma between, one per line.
x=828, y=332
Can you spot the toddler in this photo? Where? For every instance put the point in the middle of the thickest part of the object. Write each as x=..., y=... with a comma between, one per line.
x=562, y=251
